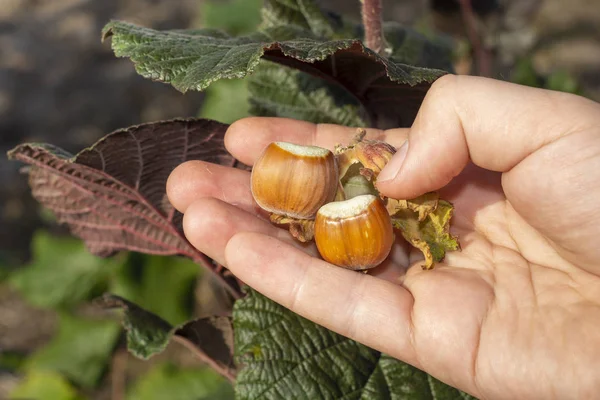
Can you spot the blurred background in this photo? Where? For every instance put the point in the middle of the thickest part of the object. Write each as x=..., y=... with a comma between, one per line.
x=60, y=84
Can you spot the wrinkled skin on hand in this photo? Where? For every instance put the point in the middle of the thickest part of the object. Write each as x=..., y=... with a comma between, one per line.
x=516, y=313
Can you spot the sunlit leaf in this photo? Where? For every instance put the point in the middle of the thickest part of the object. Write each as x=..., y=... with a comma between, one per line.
x=44, y=385
x=166, y=381
x=161, y=285
x=80, y=350
x=62, y=272
x=432, y=235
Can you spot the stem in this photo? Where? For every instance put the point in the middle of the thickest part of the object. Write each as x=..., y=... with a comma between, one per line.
x=227, y=373
x=482, y=55
x=118, y=372
x=372, y=21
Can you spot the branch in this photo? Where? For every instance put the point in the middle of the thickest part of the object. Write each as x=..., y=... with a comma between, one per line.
x=227, y=373
x=372, y=21
x=482, y=55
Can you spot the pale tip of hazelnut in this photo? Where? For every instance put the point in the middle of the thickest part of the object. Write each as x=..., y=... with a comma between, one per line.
x=347, y=208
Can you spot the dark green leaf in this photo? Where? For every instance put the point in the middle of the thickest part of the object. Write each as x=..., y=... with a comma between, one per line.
x=411, y=47
x=162, y=285
x=390, y=91
x=285, y=355
x=11, y=361
x=166, y=381
x=40, y=385
x=211, y=338
x=80, y=350
x=147, y=333
x=280, y=91
x=62, y=273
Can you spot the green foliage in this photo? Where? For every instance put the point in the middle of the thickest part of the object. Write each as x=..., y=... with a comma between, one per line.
x=525, y=73
x=285, y=355
x=39, y=385
x=306, y=64
x=226, y=101
x=166, y=381
x=194, y=59
x=235, y=17
x=80, y=350
x=147, y=333
x=62, y=273
x=285, y=92
x=161, y=285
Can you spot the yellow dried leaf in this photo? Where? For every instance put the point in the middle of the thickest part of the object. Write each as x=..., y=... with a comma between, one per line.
x=423, y=205
x=431, y=235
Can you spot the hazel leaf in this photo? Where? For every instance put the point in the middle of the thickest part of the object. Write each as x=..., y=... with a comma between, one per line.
x=210, y=338
x=284, y=355
x=390, y=90
x=113, y=194
x=279, y=91
x=304, y=13
x=431, y=235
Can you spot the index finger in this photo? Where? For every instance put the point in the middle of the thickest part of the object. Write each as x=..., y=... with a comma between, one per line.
x=246, y=139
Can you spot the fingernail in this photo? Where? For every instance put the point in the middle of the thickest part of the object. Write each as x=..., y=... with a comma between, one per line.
x=392, y=168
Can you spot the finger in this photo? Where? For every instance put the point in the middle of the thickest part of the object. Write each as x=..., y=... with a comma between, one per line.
x=193, y=180
x=495, y=124
x=247, y=138
x=350, y=303
x=210, y=223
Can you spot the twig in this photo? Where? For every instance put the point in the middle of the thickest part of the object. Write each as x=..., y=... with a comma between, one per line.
x=117, y=374
x=482, y=55
x=372, y=21
x=227, y=373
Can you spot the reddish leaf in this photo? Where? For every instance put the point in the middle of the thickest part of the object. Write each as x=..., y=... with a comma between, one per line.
x=112, y=195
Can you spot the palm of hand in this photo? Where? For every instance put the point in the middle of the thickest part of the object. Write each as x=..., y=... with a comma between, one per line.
x=493, y=319
x=495, y=314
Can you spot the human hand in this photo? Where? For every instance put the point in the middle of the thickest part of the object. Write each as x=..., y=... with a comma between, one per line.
x=516, y=313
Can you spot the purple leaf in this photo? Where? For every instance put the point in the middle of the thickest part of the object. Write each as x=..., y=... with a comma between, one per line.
x=112, y=195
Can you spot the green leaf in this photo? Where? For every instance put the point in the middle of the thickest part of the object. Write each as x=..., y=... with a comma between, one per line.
x=40, y=385
x=279, y=91
x=563, y=81
x=161, y=285
x=211, y=338
x=226, y=101
x=303, y=13
x=12, y=361
x=233, y=16
x=166, y=381
x=80, y=350
x=62, y=273
x=283, y=353
x=147, y=333
x=390, y=91
x=408, y=46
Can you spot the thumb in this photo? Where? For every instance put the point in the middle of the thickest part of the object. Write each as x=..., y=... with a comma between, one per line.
x=492, y=123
